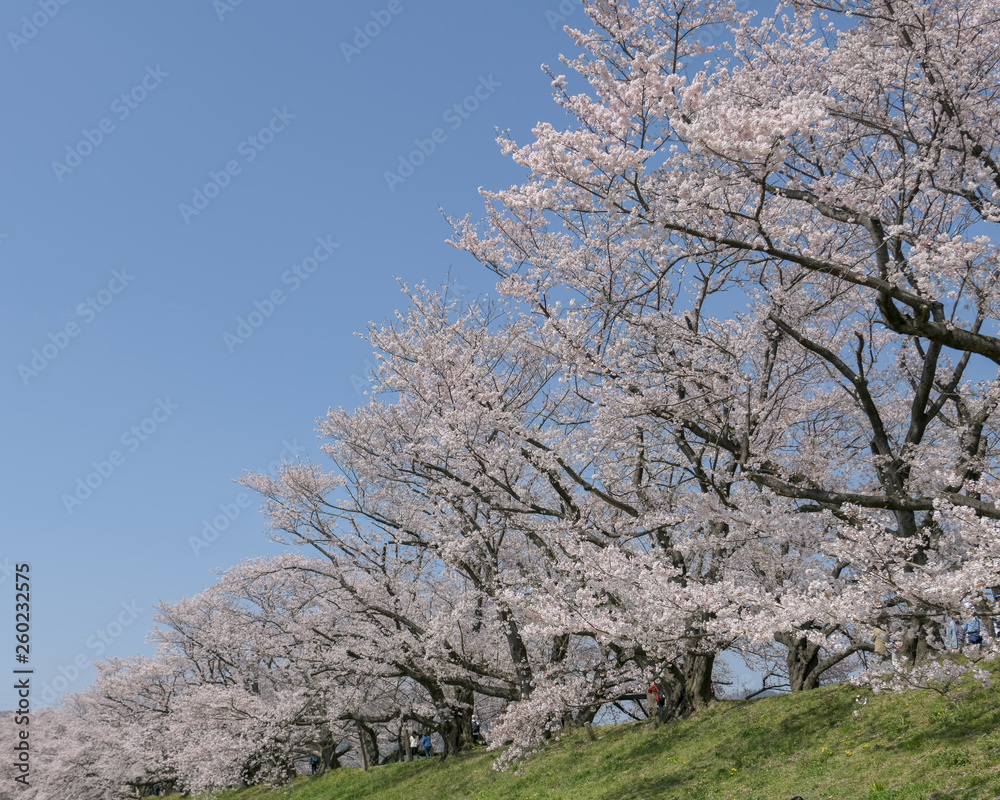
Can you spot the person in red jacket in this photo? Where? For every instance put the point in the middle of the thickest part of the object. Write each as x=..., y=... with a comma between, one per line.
x=654, y=700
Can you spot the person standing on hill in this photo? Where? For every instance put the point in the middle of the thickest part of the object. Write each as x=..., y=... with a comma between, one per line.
x=956, y=635
x=427, y=745
x=973, y=631
x=654, y=701
x=881, y=643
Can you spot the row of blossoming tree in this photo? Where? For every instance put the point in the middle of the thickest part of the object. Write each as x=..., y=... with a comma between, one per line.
x=736, y=392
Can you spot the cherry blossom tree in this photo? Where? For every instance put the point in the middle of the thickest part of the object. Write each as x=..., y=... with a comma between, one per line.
x=484, y=462
x=69, y=758
x=833, y=171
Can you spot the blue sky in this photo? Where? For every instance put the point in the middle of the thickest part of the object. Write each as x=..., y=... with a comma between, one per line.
x=166, y=167
x=196, y=219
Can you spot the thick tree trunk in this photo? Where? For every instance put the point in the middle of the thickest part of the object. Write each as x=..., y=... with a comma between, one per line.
x=687, y=687
x=671, y=686
x=327, y=752
x=449, y=734
x=914, y=649
x=802, y=661
x=336, y=755
x=463, y=719
x=586, y=714
x=456, y=715
x=698, y=680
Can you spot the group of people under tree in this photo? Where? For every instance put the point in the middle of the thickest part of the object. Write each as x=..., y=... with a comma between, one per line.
x=416, y=743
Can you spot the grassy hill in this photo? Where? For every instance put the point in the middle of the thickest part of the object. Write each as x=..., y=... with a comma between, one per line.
x=916, y=746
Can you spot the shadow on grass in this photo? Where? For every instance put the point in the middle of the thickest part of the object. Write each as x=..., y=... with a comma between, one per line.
x=652, y=787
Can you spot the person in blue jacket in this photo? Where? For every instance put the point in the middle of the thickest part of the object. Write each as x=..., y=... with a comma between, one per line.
x=427, y=745
x=973, y=631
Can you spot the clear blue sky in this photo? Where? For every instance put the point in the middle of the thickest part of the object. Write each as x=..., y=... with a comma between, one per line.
x=117, y=113
x=275, y=124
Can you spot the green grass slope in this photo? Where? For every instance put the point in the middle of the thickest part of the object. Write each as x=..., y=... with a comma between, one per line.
x=916, y=746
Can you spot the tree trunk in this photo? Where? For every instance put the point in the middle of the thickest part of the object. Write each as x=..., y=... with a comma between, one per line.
x=914, y=649
x=449, y=731
x=335, y=756
x=686, y=688
x=671, y=685
x=802, y=661
x=368, y=746
x=403, y=742
x=362, y=750
x=698, y=680
x=404, y=737
x=463, y=720
x=518, y=651
x=985, y=614
x=586, y=714
x=327, y=752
